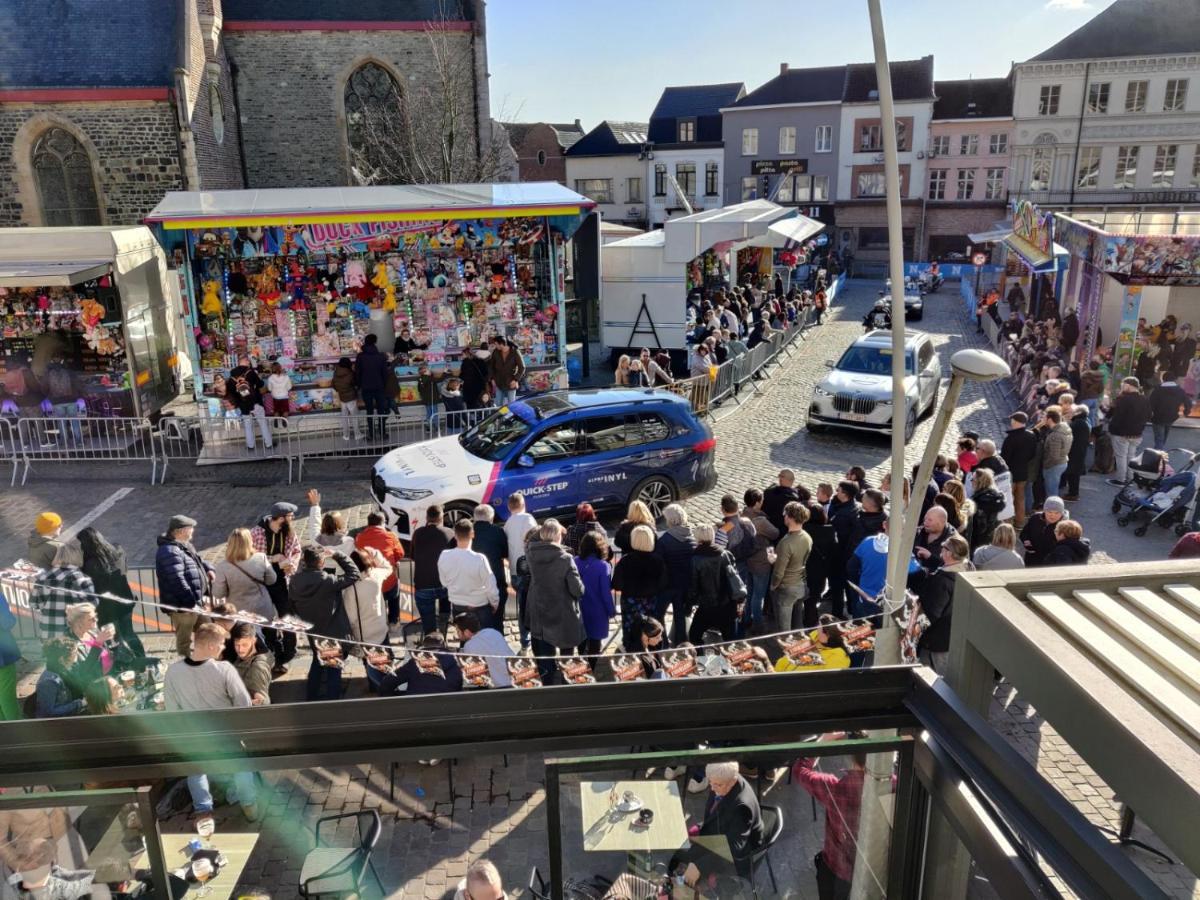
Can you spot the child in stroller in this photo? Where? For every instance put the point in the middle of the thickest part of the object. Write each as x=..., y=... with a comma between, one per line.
x=1167, y=505
x=1147, y=473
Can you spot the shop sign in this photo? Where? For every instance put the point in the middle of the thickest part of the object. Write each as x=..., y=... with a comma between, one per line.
x=1166, y=197
x=978, y=259
x=1131, y=309
x=1032, y=226
x=779, y=167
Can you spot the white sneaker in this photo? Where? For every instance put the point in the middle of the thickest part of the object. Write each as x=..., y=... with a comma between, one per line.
x=673, y=772
x=698, y=787
x=650, y=772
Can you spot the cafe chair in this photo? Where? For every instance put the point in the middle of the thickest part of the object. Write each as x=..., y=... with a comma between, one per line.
x=538, y=888
x=772, y=817
x=339, y=871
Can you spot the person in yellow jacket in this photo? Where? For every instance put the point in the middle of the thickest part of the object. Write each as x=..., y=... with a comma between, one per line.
x=827, y=640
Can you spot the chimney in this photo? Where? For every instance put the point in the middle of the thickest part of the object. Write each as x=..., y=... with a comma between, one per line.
x=578, y=127
x=783, y=68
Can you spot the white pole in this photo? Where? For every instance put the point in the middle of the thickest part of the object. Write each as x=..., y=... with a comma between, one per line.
x=874, y=833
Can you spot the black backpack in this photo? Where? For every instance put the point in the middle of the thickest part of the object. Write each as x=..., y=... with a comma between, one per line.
x=748, y=545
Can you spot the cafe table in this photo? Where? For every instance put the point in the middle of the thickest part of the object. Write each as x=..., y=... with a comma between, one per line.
x=607, y=828
x=237, y=846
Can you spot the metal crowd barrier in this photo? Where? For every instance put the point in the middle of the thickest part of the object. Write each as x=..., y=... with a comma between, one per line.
x=10, y=447
x=85, y=439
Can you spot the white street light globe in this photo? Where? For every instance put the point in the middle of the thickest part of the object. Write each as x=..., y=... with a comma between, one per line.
x=979, y=365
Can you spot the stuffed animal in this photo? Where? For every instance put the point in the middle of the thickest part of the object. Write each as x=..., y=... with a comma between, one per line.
x=356, y=274
x=384, y=283
x=93, y=312
x=211, y=304
x=360, y=310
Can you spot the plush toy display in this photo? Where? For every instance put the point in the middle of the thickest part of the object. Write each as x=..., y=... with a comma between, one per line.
x=211, y=304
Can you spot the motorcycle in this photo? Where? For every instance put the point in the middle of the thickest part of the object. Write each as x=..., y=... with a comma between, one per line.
x=930, y=282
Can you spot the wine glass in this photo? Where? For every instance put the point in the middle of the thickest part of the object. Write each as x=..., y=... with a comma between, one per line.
x=202, y=871
x=205, y=827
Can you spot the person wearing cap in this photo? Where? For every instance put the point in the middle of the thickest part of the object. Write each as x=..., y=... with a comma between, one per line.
x=44, y=539
x=1126, y=423
x=183, y=578
x=275, y=537
x=1018, y=452
x=1037, y=537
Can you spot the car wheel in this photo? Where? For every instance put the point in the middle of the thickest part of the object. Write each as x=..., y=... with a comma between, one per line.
x=657, y=493
x=456, y=512
x=910, y=424
x=937, y=390
x=919, y=316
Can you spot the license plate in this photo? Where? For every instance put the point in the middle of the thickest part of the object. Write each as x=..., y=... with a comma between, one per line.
x=856, y=417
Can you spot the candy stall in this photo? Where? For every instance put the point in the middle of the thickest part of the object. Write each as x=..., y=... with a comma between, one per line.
x=299, y=277
x=91, y=304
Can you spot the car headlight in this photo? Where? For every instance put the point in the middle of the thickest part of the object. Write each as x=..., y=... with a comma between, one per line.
x=821, y=392
x=883, y=402
x=409, y=494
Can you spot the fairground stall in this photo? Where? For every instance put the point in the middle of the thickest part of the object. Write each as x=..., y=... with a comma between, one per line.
x=647, y=278
x=1117, y=281
x=1033, y=259
x=300, y=277
x=84, y=321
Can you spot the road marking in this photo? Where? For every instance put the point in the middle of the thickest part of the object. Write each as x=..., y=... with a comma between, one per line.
x=96, y=512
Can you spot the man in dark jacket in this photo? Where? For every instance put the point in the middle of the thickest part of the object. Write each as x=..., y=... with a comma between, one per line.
x=245, y=391
x=428, y=671
x=1071, y=547
x=869, y=520
x=183, y=578
x=1081, y=436
x=1069, y=335
x=492, y=542
x=316, y=597
x=843, y=511
x=1165, y=403
x=777, y=496
x=1037, y=537
x=552, y=605
x=428, y=542
x=1018, y=450
x=1183, y=352
x=370, y=371
x=934, y=531
x=935, y=594
x=1126, y=423
x=675, y=547
x=732, y=812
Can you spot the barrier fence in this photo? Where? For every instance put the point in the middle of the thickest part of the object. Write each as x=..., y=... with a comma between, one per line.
x=32, y=442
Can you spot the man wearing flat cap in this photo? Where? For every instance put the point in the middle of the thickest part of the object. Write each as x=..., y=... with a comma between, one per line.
x=183, y=578
x=276, y=538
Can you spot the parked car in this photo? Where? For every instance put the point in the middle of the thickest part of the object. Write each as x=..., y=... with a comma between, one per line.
x=857, y=393
x=607, y=447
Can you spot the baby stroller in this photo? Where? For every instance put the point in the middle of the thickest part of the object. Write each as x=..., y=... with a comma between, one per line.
x=1147, y=472
x=1168, y=505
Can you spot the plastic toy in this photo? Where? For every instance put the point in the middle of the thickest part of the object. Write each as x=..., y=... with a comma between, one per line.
x=211, y=304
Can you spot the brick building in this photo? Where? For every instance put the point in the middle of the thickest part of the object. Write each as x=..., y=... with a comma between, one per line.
x=540, y=148
x=104, y=107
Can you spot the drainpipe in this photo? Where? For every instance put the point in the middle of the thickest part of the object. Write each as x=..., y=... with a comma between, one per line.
x=188, y=168
x=237, y=114
x=483, y=120
x=1079, y=133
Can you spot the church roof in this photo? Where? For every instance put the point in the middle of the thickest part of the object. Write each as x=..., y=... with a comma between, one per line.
x=1132, y=28
x=343, y=11
x=56, y=43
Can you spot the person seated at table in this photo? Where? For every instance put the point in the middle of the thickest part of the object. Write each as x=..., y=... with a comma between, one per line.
x=827, y=641
x=652, y=637
x=39, y=877
x=732, y=812
x=58, y=691
x=482, y=882
x=248, y=653
x=104, y=696
x=417, y=676
x=94, y=656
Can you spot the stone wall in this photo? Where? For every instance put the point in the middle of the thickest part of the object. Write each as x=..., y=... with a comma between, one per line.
x=290, y=87
x=133, y=146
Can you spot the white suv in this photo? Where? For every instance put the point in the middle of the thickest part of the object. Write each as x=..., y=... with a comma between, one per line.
x=857, y=393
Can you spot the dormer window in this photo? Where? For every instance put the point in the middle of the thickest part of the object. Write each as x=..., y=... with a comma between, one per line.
x=687, y=131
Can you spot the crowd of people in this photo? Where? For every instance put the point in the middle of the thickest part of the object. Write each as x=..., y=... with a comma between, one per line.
x=489, y=375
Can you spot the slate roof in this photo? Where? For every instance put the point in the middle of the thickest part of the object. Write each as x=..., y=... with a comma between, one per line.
x=1132, y=28
x=912, y=79
x=799, y=86
x=700, y=101
x=86, y=43
x=611, y=139
x=346, y=10
x=973, y=98
x=566, y=134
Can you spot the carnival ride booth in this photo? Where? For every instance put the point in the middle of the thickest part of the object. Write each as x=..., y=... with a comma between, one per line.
x=1034, y=260
x=646, y=278
x=1116, y=280
x=300, y=277
x=88, y=305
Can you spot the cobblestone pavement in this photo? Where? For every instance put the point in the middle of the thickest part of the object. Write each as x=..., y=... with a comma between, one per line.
x=499, y=809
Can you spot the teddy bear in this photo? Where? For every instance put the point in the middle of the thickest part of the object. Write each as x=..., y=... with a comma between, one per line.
x=92, y=312
x=384, y=283
x=211, y=304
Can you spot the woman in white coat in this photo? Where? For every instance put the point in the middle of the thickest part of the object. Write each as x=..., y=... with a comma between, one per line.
x=365, y=607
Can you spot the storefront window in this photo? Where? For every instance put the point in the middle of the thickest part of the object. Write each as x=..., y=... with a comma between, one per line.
x=66, y=185
x=1164, y=165
x=373, y=119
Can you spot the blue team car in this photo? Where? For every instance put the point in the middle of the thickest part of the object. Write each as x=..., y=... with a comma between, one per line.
x=607, y=447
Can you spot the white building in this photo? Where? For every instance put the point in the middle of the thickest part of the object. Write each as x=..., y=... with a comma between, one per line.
x=685, y=142
x=608, y=165
x=861, y=212
x=1107, y=121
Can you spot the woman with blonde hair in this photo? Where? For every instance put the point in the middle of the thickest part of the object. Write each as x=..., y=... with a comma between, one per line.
x=639, y=514
x=1001, y=553
x=964, y=507
x=243, y=576
x=640, y=576
x=623, y=376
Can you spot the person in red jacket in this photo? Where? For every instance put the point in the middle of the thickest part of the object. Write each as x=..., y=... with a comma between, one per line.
x=377, y=536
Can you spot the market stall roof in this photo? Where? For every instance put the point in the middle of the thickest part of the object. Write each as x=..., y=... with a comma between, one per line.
x=49, y=257
x=1110, y=657
x=997, y=232
x=786, y=234
x=1033, y=257
x=689, y=236
x=379, y=203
